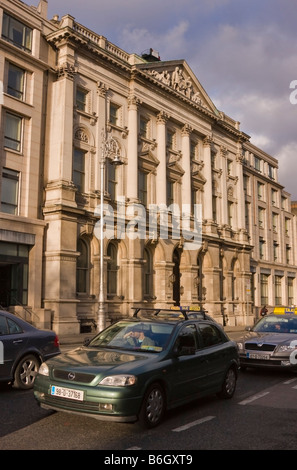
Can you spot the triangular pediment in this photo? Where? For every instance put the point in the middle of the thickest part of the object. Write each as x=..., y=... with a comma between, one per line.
x=196, y=172
x=147, y=156
x=178, y=77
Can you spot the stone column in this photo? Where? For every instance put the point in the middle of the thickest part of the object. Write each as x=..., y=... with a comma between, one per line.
x=240, y=193
x=101, y=129
x=186, y=164
x=132, y=168
x=207, y=195
x=161, y=155
x=60, y=209
x=60, y=188
x=224, y=209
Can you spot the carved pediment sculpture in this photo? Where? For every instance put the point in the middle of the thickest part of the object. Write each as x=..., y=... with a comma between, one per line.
x=180, y=82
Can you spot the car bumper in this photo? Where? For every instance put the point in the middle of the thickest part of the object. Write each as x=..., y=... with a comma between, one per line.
x=106, y=404
x=273, y=362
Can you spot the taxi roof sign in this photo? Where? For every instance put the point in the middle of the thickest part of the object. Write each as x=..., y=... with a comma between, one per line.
x=285, y=310
x=186, y=307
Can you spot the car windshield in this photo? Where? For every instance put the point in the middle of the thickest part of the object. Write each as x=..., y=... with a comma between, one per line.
x=276, y=324
x=143, y=336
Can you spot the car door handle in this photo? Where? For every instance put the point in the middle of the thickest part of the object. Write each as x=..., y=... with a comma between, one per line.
x=17, y=341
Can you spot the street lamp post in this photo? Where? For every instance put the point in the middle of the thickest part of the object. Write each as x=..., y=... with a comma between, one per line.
x=111, y=150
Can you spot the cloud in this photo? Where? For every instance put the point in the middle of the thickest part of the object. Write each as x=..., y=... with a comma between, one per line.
x=169, y=43
x=288, y=167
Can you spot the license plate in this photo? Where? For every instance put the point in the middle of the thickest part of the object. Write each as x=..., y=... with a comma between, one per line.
x=63, y=392
x=257, y=356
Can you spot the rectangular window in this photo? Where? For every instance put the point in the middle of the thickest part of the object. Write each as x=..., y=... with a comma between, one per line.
x=16, y=81
x=17, y=33
x=261, y=217
x=194, y=199
x=284, y=203
x=275, y=251
x=112, y=180
x=10, y=191
x=257, y=164
x=274, y=197
x=271, y=172
x=264, y=289
x=170, y=139
x=114, y=114
x=214, y=208
x=79, y=169
x=81, y=99
x=142, y=187
x=274, y=222
x=287, y=226
x=193, y=151
x=260, y=187
x=290, y=291
x=288, y=254
x=261, y=248
x=170, y=192
x=246, y=184
x=230, y=213
x=247, y=215
x=278, y=290
x=143, y=127
x=13, y=131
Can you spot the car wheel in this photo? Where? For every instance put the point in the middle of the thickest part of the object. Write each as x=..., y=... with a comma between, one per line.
x=153, y=406
x=229, y=384
x=26, y=372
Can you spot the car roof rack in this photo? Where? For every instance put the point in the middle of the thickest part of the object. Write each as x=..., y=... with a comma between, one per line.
x=185, y=311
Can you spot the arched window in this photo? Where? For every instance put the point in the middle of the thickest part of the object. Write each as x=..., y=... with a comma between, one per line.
x=112, y=269
x=82, y=267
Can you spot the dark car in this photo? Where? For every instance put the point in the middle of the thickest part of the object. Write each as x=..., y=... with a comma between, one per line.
x=22, y=349
x=272, y=342
x=138, y=367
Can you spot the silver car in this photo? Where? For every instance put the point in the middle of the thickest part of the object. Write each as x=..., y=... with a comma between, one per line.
x=272, y=342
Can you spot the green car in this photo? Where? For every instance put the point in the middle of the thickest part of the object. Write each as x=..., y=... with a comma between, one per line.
x=137, y=368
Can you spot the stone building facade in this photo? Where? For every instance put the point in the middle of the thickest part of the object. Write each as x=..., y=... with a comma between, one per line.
x=67, y=93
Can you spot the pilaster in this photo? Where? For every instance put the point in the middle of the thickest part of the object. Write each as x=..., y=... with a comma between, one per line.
x=132, y=167
x=162, y=118
x=207, y=195
x=186, y=164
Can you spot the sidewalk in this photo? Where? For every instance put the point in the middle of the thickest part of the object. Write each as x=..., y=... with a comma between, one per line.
x=233, y=332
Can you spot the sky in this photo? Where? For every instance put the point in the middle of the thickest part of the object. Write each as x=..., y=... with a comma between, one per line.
x=243, y=52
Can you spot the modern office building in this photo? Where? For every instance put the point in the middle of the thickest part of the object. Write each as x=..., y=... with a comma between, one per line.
x=72, y=104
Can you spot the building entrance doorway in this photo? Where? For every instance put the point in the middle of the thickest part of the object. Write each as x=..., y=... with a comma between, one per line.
x=13, y=274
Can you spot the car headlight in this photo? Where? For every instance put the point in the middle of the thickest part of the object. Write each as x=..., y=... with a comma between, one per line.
x=118, y=380
x=285, y=347
x=43, y=369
